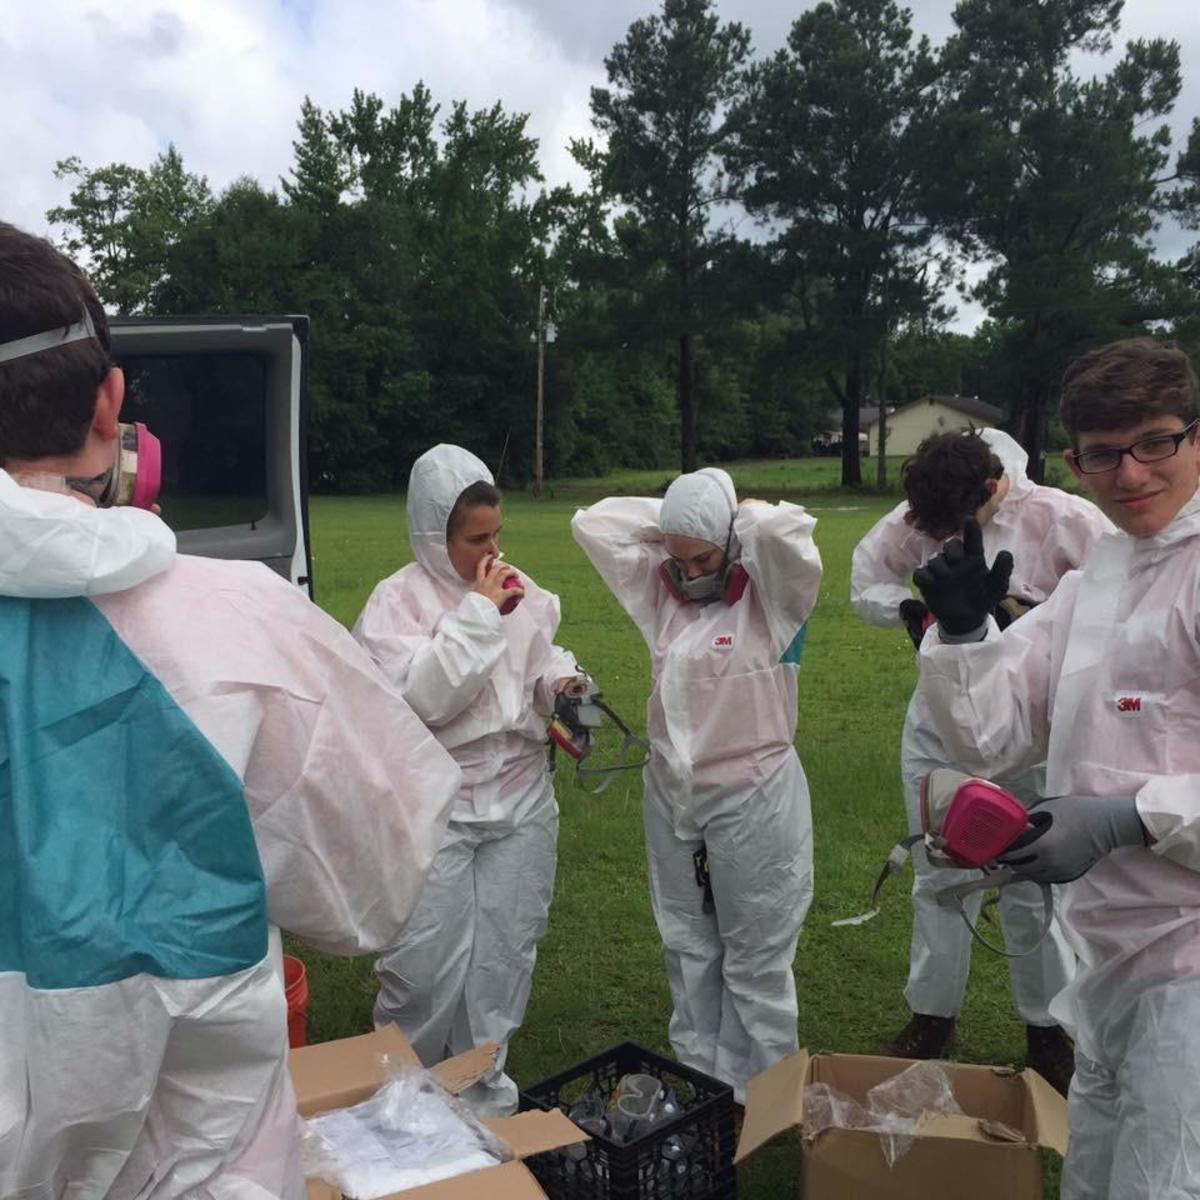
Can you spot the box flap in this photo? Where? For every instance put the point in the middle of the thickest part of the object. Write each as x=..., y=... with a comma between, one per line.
x=1049, y=1112
x=526, y=1133
x=347, y=1071
x=535, y=1132
x=458, y=1073
x=509, y=1181
x=959, y=1127
x=338, y=1074
x=774, y=1102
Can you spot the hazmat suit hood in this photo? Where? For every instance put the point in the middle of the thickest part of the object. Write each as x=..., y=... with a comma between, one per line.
x=54, y=546
x=702, y=505
x=1012, y=456
x=436, y=481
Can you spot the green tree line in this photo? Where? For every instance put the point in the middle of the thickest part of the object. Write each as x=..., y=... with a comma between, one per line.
x=763, y=245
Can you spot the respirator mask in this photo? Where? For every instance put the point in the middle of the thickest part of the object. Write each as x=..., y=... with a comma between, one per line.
x=135, y=476
x=579, y=712
x=727, y=583
x=966, y=823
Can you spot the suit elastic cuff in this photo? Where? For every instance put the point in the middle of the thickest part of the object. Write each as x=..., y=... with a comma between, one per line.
x=960, y=639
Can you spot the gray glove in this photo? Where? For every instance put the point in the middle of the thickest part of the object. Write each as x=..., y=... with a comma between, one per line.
x=1071, y=834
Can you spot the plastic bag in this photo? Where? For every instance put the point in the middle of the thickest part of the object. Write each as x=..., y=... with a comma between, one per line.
x=826, y=1108
x=894, y=1108
x=905, y=1098
x=410, y=1132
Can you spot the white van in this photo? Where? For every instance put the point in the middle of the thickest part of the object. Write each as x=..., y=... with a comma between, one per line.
x=227, y=398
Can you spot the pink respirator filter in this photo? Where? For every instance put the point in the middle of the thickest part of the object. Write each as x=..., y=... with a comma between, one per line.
x=148, y=479
x=513, y=581
x=981, y=822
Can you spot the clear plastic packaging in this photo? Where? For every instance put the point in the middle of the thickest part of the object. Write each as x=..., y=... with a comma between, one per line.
x=894, y=1108
x=410, y=1132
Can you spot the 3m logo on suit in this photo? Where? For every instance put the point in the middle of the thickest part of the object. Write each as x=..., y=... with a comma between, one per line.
x=1129, y=704
x=723, y=641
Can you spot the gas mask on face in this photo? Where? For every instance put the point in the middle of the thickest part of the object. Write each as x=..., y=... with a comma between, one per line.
x=727, y=583
x=579, y=712
x=136, y=472
x=135, y=475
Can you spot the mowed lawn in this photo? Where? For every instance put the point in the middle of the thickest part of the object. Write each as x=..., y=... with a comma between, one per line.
x=599, y=977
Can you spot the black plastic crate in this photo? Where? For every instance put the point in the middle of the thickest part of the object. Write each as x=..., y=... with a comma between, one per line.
x=602, y=1169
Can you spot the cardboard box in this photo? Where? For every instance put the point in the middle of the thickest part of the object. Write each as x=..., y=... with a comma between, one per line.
x=342, y=1073
x=991, y=1152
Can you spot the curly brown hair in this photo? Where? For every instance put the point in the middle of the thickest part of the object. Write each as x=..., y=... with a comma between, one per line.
x=946, y=481
x=47, y=400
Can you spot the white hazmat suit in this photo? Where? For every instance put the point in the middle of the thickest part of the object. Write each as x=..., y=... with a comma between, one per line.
x=460, y=975
x=1100, y=681
x=186, y=761
x=1048, y=532
x=723, y=773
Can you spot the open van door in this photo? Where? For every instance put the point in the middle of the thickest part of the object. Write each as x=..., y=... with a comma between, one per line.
x=227, y=398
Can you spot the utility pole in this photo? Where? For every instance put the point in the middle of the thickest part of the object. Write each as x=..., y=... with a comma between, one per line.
x=881, y=438
x=541, y=391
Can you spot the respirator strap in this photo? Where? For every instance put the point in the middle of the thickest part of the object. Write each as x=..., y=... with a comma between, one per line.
x=634, y=755
x=37, y=343
x=634, y=752
x=953, y=897
x=893, y=865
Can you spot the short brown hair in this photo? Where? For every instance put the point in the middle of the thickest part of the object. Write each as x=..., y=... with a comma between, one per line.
x=946, y=481
x=1128, y=382
x=477, y=495
x=47, y=400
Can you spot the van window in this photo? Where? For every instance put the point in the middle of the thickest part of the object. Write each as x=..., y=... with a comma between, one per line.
x=210, y=413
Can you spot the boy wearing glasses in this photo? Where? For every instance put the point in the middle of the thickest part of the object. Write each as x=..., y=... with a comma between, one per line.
x=1103, y=681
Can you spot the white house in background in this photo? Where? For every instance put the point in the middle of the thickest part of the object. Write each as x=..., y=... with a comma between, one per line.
x=909, y=425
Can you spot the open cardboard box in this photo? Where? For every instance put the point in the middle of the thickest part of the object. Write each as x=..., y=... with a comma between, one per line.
x=991, y=1152
x=338, y=1074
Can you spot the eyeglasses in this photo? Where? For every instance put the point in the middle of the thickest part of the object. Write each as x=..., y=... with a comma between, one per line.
x=1148, y=450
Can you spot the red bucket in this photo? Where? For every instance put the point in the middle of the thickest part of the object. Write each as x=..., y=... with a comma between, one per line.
x=295, y=989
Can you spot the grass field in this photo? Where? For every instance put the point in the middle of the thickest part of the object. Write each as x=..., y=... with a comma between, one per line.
x=599, y=976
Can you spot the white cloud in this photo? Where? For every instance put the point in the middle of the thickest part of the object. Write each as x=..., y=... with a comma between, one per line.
x=224, y=79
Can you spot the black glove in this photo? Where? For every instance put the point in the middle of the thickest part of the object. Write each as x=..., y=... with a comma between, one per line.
x=913, y=613
x=957, y=584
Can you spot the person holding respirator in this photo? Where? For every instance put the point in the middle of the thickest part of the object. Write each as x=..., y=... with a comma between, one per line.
x=1100, y=682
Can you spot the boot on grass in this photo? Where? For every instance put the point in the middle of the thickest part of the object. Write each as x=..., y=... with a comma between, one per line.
x=1051, y=1054
x=924, y=1036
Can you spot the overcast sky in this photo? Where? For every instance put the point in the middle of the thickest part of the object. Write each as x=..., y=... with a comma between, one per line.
x=224, y=79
